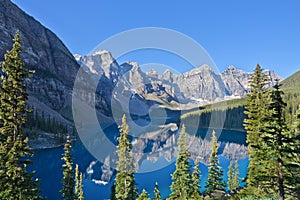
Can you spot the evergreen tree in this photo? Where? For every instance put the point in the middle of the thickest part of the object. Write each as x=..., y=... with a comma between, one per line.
x=215, y=173
x=233, y=176
x=144, y=196
x=255, y=109
x=275, y=129
x=236, y=181
x=125, y=181
x=68, y=182
x=157, y=195
x=195, y=182
x=113, y=192
x=280, y=146
x=180, y=188
x=230, y=177
x=78, y=184
x=15, y=181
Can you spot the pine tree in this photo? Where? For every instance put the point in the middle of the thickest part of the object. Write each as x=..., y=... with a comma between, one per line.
x=215, y=173
x=15, y=181
x=157, y=195
x=255, y=109
x=78, y=184
x=144, y=196
x=180, y=188
x=195, y=182
x=68, y=182
x=125, y=181
x=113, y=192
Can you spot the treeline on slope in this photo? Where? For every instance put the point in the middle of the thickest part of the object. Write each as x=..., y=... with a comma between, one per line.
x=36, y=123
x=228, y=115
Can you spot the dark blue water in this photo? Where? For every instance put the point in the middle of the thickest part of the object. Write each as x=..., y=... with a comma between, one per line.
x=47, y=164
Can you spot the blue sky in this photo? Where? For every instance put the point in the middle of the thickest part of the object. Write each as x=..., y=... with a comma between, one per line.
x=239, y=33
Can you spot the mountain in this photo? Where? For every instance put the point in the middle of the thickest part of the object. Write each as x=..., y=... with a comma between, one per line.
x=55, y=68
x=198, y=85
x=235, y=81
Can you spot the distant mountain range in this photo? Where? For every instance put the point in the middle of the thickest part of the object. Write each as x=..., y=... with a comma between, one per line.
x=195, y=87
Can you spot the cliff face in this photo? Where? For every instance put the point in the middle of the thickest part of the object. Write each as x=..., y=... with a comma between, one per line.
x=55, y=67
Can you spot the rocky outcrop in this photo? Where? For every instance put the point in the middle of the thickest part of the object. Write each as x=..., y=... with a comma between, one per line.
x=200, y=84
x=55, y=67
x=235, y=81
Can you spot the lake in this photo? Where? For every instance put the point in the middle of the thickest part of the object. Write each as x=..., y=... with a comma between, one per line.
x=47, y=163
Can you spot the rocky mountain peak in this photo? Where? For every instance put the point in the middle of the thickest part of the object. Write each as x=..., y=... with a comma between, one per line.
x=104, y=55
x=152, y=73
x=168, y=75
x=168, y=71
x=99, y=63
x=233, y=70
x=134, y=65
x=203, y=69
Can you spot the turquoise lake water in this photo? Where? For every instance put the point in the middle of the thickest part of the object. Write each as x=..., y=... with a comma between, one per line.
x=47, y=164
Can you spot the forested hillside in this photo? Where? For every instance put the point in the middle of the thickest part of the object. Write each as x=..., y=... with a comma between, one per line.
x=229, y=115
x=291, y=88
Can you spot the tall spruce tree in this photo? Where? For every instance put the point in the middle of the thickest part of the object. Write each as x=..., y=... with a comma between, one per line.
x=273, y=137
x=78, y=184
x=215, y=173
x=280, y=146
x=125, y=181
x=15, y=181
x=180, y=188
x=68, y=182
x=157, y=195
x=195, y=187
x=255, y=109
